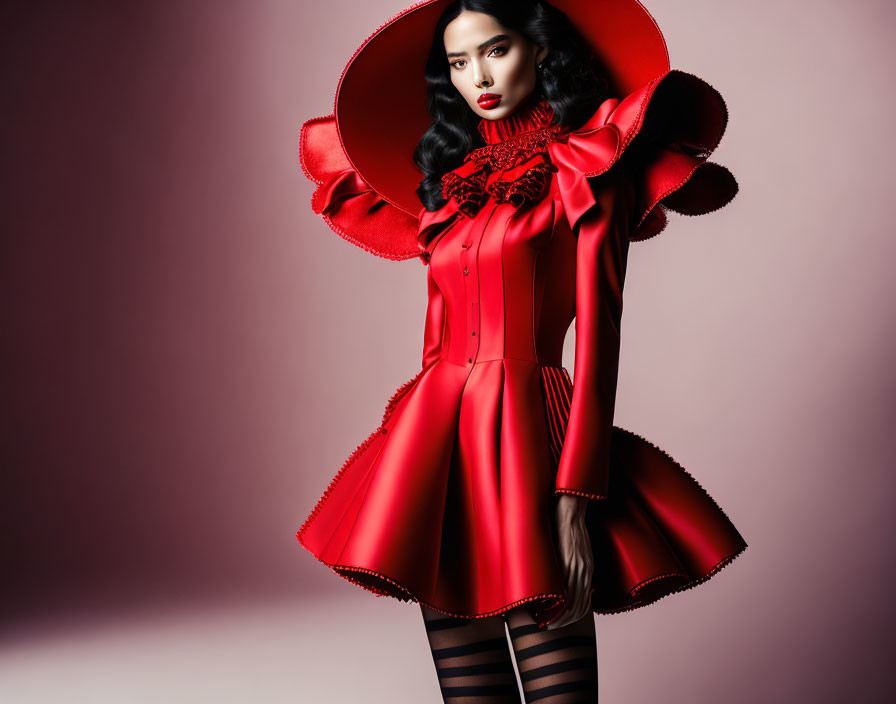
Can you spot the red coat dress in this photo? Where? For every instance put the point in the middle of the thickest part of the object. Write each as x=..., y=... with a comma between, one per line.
x=450, y=501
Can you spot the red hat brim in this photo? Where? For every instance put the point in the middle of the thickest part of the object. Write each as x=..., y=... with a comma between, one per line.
x=380, y=103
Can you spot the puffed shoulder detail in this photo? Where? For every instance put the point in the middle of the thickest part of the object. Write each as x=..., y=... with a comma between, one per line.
x=660, y=136
x=351, y=208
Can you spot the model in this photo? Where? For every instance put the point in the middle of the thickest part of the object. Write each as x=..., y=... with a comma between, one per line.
x=541, y=139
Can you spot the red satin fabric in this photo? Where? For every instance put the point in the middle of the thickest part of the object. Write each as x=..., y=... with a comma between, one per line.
x=450, y=501
x=351, y=208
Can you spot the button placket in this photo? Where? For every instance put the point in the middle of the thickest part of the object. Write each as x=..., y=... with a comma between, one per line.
x=470, y=295
x=467, y=263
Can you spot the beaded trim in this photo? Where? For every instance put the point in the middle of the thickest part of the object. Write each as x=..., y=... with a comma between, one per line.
x=557, y=387
x=724, y=562
x=701, y=149
x=695, y=581
x=663, y=210
x=317, y=207
x=650, y=580
x=516, y=149
x=576, y=492
x=508, y=144
x=398, y=591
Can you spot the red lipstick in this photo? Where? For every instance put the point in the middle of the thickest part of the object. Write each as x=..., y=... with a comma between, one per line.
x=489, y=101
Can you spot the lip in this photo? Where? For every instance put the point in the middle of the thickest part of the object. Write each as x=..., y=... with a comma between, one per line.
x=489, y=101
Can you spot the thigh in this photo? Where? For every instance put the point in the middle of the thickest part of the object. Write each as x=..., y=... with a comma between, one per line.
x=472, y=659
x=557, y=666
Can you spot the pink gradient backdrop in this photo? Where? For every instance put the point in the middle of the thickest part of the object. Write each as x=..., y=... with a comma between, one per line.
x=190, y=354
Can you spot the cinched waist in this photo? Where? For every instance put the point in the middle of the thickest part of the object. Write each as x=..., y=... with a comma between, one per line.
x=533, y=362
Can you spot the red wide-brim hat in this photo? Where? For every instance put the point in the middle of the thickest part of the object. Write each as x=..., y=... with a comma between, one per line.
x=380, y=105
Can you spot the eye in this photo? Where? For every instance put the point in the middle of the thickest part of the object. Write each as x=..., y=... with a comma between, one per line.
x=500, y=49
x=454, y=64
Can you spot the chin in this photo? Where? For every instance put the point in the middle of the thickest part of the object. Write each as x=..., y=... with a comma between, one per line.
x=495, y=114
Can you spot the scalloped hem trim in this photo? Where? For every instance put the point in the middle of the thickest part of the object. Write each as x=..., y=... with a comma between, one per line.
x=694, y=582
x=353, y=240
x=665, y=209
x=708, y=150
x=633, y=592
x=576, y=492
x=403, y=593
x=303, y=145
x=672, y=459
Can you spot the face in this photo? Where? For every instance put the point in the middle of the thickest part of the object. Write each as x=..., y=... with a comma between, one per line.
x=492, y=67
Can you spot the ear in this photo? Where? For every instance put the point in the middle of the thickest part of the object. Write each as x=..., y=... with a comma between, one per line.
x=540, y=53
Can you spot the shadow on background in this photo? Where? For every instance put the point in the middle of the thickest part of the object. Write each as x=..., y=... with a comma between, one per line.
x=189, y=356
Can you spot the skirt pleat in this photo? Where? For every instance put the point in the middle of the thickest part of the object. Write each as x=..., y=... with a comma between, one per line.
x=450, y=502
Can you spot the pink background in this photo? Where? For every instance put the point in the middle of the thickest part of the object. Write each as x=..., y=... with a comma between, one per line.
x=190, y=355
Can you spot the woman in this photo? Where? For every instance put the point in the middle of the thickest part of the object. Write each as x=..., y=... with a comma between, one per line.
x=495, y=491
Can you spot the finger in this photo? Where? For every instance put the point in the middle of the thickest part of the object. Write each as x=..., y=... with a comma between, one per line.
x=580, y=603
x=563, y=619
x=587, y=574
x=572, y=578
x=558, y=622
x=587, y=586
x=591, y=570
x=580, y=589
x=585, y=603
x=570, y=613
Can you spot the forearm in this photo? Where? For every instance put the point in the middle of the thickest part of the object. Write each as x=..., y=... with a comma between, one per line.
x=570, y=508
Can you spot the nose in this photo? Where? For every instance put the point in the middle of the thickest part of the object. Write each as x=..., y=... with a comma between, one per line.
x=481, y=77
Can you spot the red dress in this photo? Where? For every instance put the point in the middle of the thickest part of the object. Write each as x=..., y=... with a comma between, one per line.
x=449, y=502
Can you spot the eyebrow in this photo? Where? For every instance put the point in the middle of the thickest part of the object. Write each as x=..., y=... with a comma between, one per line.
x=496, y=38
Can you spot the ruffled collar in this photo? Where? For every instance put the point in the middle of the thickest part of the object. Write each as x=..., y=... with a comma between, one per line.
x=531, y=115
x=513, y=166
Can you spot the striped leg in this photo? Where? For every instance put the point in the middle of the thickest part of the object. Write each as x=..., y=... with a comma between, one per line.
x=557, y=666
x=472, y=659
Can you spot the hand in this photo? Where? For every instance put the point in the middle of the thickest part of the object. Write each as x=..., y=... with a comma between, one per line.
x=576, y=557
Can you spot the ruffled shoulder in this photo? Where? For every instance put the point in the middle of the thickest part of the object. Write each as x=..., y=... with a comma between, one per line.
x=661, y=137
x=351, y=208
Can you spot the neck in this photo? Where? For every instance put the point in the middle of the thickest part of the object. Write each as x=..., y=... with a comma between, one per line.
x=530, y=115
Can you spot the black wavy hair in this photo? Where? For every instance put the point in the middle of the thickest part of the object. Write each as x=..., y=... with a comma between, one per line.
x=571, y=79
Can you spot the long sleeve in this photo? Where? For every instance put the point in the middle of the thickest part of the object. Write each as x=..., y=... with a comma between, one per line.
x=601, y=255
x=435, y=321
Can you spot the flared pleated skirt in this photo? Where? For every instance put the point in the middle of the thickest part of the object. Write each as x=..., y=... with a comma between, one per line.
x=450, y=502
